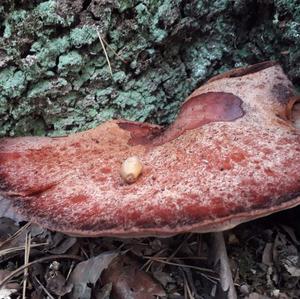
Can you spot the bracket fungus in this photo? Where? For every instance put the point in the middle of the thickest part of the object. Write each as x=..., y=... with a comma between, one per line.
x=232, y=155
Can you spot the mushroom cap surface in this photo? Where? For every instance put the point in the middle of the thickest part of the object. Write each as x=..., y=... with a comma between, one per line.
x=231, y=155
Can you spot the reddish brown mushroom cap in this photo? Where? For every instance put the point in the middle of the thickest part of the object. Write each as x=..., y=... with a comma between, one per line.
x=231, y=155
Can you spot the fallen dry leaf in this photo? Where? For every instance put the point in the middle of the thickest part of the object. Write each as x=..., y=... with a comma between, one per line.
x=88, y=272
x=128, y=281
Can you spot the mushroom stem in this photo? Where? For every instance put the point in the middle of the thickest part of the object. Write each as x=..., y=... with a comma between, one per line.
x=221, y=262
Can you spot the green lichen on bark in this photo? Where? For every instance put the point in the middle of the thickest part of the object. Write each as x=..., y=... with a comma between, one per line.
x=54, y=78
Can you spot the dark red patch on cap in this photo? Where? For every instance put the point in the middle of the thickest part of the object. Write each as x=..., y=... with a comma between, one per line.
x=196, y=112
x=141, y=133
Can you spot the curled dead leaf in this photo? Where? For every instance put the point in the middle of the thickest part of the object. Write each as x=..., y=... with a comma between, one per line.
x=128, y=281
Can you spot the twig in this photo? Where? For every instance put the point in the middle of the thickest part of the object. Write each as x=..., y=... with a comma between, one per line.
x=16, y=234
x=179, y=247
x=197, y=258
x=70, y=271
x=117, y=54
x=188, y=284
x=26, y=261
x=43, y=288
x=187, y=288
x=41, y=260
x=19, y=248
x=150, y=260
x=104, y=50
x=83, y=251
x=181, y=265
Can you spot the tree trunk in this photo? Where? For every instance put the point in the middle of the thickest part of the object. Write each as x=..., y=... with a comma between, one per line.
x=55, y=79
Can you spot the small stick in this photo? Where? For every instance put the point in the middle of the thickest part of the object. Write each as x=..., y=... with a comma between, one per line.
x=70, y=271
x=187, y=237
x=190, y=286
x=19, y=248
x=104, y=50
x=149, y=262
x=112, y=49
x=26, y=261
x=43, y=288
x=16, y=234
x=180, y=265
x=187, y=290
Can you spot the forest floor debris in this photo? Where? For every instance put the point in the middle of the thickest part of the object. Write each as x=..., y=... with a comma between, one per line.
x=264, y=260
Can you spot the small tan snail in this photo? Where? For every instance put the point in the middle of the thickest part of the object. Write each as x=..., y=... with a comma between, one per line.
x=131, y=169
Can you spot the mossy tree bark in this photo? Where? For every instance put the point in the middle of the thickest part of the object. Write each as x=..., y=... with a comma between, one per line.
x=54, y=78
